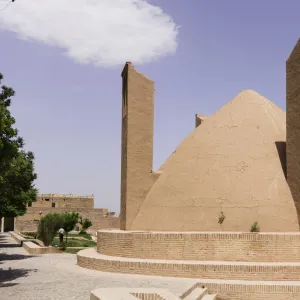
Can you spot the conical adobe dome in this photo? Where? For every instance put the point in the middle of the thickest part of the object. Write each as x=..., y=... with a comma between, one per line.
x=230, y=164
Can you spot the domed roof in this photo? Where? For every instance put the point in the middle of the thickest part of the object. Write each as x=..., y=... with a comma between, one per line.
x=230, y=165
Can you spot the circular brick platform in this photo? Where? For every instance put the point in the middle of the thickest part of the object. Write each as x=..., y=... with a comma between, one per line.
x=233, y=265
x=91, y=259
x=211, y=246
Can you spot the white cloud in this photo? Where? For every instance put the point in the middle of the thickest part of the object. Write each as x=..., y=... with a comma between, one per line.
x=101, y=32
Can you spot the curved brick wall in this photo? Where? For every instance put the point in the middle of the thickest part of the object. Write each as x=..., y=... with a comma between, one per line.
x=90, y=259
x=255, y=247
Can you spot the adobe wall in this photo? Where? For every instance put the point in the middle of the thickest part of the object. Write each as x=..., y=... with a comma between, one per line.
x=29, y=222
x=64, y=201
x=254, y=247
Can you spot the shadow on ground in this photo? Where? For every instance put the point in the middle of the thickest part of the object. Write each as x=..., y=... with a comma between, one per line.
x=6, y=257
x=5, y=244
x=10, y=274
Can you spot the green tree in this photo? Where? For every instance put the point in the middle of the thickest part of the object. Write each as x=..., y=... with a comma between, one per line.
x=69, y=221
x=85, y=224
x=16, y=165
x=48, y=227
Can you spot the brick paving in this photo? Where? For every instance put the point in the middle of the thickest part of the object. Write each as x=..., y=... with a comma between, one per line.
x=56, y=276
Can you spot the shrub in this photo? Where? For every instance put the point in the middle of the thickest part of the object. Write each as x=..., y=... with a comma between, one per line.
x=48, y=227
x=30, y=234
x=85, y=224
x=221, y=218
x=63, y=246
x=255, y=227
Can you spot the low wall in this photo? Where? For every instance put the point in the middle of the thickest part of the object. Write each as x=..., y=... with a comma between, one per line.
x=205, y=246
x=25, y=225
x=18, y=238
x=90, y=259
x=31, y=247
x=34, y=249
x=227, y=290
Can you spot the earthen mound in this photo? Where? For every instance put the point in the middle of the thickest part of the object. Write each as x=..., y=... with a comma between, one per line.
x=231, y=167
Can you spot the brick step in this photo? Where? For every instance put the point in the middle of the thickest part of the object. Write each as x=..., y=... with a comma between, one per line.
x=132, y=294
x=198, y=293
x=249, y=290
x=195, y=293
x=224, y=289
x=210, y=297
x=91, y=259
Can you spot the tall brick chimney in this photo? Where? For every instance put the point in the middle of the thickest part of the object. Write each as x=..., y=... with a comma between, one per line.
x=293, y=122
x=137, y=143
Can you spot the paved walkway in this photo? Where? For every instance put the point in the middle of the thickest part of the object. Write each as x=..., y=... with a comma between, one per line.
x=57, y=277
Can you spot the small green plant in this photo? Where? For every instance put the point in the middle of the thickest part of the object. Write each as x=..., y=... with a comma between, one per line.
x=63, y=246
x=255, y=227
x=221, y=218
x=29, y=234
x=85, y=224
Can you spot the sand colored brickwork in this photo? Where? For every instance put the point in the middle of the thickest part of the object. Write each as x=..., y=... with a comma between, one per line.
x=51, y=203
x=210, y=246
x=63, y=201
x=191, y=269
x=137, y=149
x=100, y=220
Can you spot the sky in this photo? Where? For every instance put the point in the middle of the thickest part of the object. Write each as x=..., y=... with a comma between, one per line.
x=64, y=60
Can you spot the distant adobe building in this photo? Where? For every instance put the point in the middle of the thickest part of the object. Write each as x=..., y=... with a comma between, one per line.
x=46, y=203
x=65, y=201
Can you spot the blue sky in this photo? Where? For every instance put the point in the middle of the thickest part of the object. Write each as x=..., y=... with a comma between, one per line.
x=64, y=61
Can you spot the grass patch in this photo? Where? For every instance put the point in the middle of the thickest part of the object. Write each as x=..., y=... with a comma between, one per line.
x=29, y=235
x=73, y=242
x=80, y=234
x=72, y=251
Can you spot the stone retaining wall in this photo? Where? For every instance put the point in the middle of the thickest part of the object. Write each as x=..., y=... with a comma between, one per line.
x=256, y=247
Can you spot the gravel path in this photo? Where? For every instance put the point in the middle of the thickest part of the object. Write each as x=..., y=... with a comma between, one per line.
x=57, y=277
